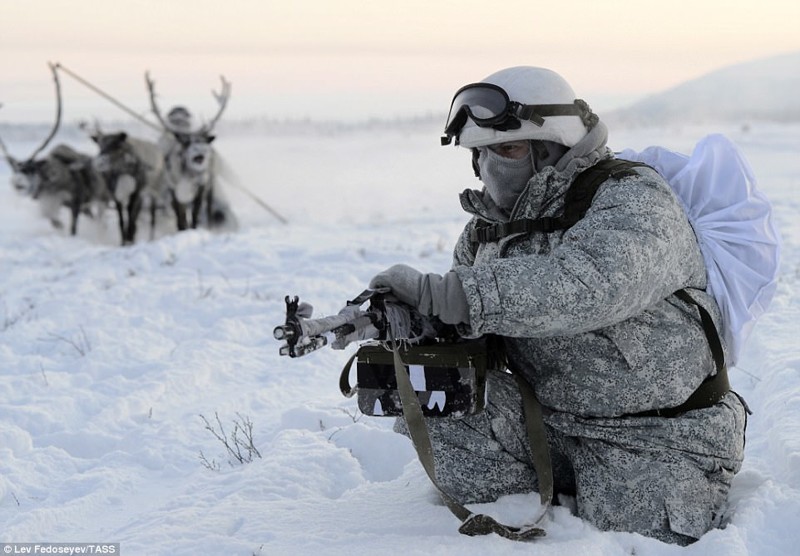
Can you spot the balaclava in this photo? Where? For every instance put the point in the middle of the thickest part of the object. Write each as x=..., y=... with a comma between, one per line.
x=505, y=178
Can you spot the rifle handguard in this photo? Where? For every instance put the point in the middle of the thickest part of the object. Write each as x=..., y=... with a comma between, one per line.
x=302, y=334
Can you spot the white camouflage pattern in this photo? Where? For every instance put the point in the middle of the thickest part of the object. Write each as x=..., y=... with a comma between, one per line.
x=589, y=317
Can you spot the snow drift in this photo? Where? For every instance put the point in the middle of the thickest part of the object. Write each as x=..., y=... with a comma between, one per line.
x=111, y=357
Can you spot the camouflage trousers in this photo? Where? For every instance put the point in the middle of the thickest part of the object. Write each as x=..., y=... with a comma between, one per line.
x=666, y=478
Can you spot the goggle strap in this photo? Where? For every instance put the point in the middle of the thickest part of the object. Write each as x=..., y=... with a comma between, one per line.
x=536, y=113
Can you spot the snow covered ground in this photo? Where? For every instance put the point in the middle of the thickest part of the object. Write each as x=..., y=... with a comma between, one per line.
x=111, y=357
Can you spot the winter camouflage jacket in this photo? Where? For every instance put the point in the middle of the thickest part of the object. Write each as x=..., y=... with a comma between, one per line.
x=588, y=314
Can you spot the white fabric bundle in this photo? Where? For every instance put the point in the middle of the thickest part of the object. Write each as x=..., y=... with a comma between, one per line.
x=733, y=223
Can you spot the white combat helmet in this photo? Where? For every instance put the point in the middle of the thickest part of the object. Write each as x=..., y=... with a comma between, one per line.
x=530, y=86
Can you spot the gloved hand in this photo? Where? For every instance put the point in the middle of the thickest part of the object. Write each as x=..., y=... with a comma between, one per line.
x=431, y=294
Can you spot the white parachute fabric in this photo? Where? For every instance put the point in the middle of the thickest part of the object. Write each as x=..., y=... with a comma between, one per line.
x=734, y=226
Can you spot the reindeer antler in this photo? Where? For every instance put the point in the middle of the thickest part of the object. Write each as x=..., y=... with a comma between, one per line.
x=3, y=148
x=53, y=69
x=222, y=99
x=9, y=158
x=151, y=87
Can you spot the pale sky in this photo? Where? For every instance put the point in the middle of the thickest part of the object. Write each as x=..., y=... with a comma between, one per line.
x=357, y=59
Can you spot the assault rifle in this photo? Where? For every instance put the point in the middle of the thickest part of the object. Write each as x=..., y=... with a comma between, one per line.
x=303, y=334
x=414, y=379
x=385, y=315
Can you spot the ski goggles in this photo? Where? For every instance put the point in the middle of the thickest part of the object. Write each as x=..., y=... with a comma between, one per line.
x=489, y=105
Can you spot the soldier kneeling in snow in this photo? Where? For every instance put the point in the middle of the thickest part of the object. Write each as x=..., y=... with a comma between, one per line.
x=603, y=318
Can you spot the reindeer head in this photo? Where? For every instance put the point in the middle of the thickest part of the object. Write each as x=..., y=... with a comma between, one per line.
x=195, y=145
x=115, y=157
x=28, y=174
x=110, y=143
x=117, y=164
x=195, y=151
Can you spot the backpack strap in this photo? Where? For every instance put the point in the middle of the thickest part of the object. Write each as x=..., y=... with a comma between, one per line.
x=710, y=329
x=578, y=199
x=713, y=388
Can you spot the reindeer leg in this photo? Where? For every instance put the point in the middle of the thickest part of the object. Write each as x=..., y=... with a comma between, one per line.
x=211, y=217
x=152, y=218
x=180, y=213
x=77, y=201
x=76, y=210
x=121, y=218
x=134, y=207
x=196, y=204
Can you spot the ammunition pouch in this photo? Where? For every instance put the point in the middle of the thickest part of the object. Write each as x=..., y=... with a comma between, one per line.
x=449, y=378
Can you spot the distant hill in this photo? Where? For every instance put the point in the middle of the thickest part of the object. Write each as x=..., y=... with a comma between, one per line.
x=767, y=89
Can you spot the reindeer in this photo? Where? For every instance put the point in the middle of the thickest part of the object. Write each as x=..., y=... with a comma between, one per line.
x=190, y=163
x=65, y=177
x=132, y=170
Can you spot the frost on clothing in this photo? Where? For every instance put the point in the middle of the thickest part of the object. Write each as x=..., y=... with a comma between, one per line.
x=589, y=317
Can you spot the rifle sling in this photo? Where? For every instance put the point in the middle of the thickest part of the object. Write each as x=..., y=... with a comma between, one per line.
x=471, y=524
x=344, y=378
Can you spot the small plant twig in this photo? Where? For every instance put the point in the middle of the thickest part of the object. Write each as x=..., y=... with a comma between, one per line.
x=203, y=291
x=82, y=345
x=212, y=465
x=44, y=376
x=355, y=416
x=10, y=320
x=238, y=444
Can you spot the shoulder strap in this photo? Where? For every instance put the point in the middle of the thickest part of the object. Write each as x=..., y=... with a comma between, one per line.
x=714, y=342
x=578, y=200
x=583, y=189
x=713, y=388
